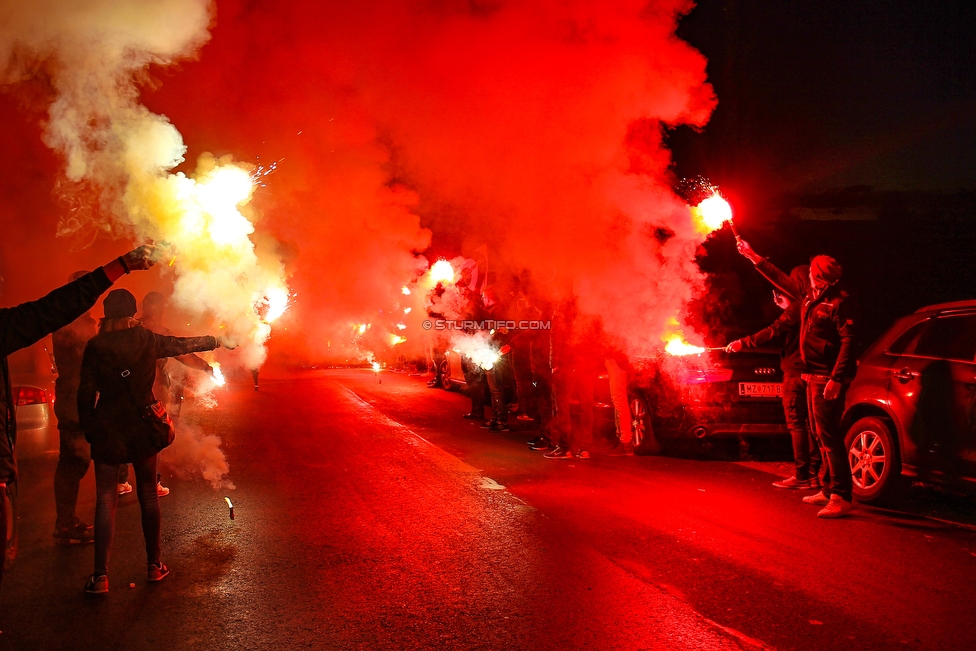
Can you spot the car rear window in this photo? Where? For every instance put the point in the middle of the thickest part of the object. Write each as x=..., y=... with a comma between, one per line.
x=951, y=337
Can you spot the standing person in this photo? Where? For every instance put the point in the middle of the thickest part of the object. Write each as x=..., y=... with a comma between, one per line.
x=826, y=345
x=786, y=329
x=499, y=372
x=26, y=324
x=574, y=369
x=617, y=365
x=117, y=375
x=170, y=377
x=74, y=456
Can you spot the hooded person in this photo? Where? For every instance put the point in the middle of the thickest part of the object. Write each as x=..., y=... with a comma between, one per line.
x=28, y=323
x=116, y=407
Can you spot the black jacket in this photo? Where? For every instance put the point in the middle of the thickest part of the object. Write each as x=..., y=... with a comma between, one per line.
x=827, y=335
x=117, y=374
x=27, y=324
x=785, y=330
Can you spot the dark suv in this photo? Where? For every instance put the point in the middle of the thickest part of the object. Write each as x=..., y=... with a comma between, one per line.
x=911, y=410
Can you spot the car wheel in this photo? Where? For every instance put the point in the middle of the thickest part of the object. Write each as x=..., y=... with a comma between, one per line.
x=446, y=382
x=875, y=464
x=642, y=427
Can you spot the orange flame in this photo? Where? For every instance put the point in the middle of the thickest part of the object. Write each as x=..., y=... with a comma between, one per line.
x=678, y=346
x=712, y=213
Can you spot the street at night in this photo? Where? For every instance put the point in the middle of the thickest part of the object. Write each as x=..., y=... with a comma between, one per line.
x=369, y=515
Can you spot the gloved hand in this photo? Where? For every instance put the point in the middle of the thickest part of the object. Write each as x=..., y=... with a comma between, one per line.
x=743, y=247
x=224, y=342
x=734, y=346
x=139, y=259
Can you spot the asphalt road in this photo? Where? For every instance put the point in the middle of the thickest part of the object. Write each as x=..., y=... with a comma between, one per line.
x=371, y=516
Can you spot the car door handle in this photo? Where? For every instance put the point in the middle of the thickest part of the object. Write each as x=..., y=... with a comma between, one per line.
x=905, y=375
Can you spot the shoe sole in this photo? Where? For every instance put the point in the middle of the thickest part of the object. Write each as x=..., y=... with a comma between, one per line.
x=157, y=579
x=561, y=457
x=72, y=541
x=834, y=514
x=790, y=488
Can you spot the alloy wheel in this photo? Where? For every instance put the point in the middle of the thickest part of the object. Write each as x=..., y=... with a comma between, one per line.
x=867, y=456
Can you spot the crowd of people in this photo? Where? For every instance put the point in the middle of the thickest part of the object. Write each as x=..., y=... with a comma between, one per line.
x=540, y=371
x=112, y=394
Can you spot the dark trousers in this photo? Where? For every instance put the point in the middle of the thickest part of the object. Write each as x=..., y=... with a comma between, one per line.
x=825, y=420
x=523, y=380
x=73, y=463
x=496, y=382
x=474, y=376
x=566, y=383
x=543, y=402
x=806, y=451
x=107, y=498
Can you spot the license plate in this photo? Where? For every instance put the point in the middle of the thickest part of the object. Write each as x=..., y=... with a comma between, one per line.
x=761, y=389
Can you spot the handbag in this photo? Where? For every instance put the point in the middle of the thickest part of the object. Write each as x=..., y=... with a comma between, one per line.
x=162, y=433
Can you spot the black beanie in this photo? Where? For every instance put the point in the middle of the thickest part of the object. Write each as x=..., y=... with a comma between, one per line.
x=119, y=304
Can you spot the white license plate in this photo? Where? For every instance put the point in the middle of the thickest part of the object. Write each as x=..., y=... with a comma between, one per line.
x=761, y=389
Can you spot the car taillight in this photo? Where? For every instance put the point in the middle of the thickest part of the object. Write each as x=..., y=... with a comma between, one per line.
x=31, y=396
x=708, y=375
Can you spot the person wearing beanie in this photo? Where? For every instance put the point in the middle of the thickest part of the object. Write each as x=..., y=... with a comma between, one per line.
x=28, y=323
x=116, y=407
x=826, y=349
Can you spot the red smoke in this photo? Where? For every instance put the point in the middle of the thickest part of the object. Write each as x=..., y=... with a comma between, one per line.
x=533, y=127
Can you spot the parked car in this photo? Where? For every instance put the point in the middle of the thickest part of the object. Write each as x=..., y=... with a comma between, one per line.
x=32, y=376
x=707, y=396
x=911, y=410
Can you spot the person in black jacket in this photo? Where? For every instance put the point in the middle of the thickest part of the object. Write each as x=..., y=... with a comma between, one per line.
x=28, y=323
x=786, y=331
x=117, y=375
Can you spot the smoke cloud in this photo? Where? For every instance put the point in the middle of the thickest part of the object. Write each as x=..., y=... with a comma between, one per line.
x=408, y=131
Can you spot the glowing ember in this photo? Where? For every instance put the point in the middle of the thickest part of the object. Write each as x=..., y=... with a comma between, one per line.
x=362, y=328
x=405, y=290
x=396, y=339
x=402, y=326
x=442, y=272
x=678, y=346
x=407, y=310
x=218, y=375
x=376, y=367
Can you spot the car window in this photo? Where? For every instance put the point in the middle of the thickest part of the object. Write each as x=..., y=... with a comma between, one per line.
x=900, y=345
x=951, y=337
x=23, y=361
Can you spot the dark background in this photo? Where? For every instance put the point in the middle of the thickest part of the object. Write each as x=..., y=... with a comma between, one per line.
x=846, y=129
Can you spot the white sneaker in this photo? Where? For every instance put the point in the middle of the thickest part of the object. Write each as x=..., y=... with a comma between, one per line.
x=838, y=507
x=819, y=499
x=161, y=490
x=125, y=489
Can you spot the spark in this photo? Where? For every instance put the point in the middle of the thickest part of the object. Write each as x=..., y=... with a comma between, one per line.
x=441, y=272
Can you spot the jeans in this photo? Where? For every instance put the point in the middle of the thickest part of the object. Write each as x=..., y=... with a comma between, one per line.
x=107, y=498
x=806, y=451
x=825, y=417
x=73, y=462
x=617, y=377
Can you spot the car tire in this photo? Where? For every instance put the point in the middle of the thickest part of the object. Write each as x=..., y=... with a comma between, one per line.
x=645, y=438
x=446, y=382
x=875, y=461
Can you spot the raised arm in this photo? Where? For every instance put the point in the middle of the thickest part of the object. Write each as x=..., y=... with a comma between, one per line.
x=167, y=346
x=28, y=323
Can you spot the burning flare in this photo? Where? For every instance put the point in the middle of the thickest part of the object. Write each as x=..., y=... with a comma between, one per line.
x=218, y=375
x=712, y=213
x=441, y=272
x=677, y=346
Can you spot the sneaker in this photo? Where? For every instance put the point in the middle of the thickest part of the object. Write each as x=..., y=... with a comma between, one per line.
x=525, y=417
x=837, y=507
x=161, y=490
x=499, y=427
x=96, y=584
x=819, y=499
x=559, y=453
x=473, y=416
x=541, y=443
x=125, y=489
x=582, y=454
x=79, y=532
x=792, y=482
x=621, y=449
x=157, y=572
